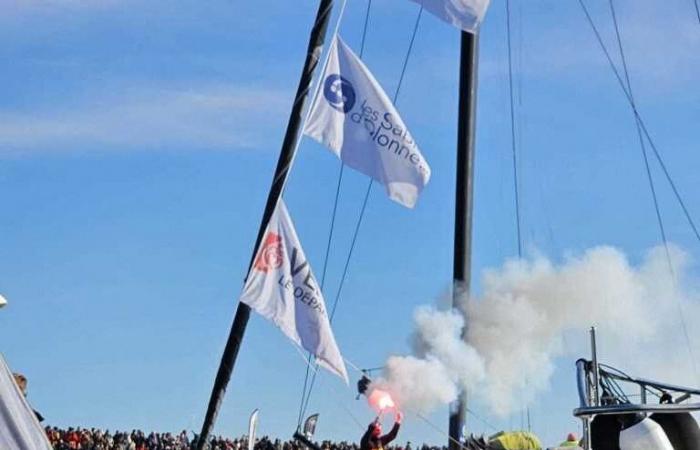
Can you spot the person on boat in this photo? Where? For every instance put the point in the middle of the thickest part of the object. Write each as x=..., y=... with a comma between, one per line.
x=373, y=439
x=570, y=441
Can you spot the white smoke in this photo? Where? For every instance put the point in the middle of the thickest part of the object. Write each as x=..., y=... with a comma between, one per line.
x=443, y=363
x=518, y=326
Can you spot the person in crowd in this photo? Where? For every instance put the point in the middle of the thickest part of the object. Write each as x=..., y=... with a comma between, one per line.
x=373, y=439
x=570, y=441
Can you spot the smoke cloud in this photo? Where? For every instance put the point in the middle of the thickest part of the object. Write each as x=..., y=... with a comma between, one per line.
x=518, y=327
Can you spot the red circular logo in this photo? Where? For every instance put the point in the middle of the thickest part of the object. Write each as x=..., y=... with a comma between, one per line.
x=271, y=254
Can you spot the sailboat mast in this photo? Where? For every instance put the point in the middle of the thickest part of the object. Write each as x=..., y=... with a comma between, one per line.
x=464, y=204
x=289, y=145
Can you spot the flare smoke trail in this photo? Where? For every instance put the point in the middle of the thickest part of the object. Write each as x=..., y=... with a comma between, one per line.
x=519, y=326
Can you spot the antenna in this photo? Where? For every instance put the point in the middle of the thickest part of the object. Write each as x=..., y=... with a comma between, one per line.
x=596, y=373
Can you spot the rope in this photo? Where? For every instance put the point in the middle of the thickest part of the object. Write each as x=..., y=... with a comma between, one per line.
x=314, y=367
x=662, y=230
x=304, y=401
x=627, y=88
x=447, y=435
x=335, y=205
x=512, y=132
x=300, y=416
x=697, y=9
x=364, y=28
x=665, y=170
x=365, y=201
x=650, y=178
x=516, y=183
x=439, y=430
x=371, y=181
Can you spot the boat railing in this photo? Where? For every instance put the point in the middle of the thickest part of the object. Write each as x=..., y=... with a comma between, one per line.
x=601, y=392
x=617, y=405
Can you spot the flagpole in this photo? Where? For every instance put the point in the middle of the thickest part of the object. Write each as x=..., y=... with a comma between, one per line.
x=289, y=145
x=464, y=204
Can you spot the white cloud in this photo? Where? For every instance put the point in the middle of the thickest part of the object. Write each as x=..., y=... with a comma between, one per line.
x=218, y=116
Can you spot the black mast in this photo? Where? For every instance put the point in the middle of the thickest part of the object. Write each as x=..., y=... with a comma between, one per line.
x=464, y=202
x=233, y=344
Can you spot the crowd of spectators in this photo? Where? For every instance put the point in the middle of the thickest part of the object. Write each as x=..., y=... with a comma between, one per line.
x=94, y=439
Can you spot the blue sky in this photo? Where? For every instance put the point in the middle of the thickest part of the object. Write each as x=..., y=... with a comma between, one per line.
x=138, y=140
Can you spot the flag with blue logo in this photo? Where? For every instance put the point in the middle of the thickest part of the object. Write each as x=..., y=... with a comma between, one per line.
x=463, y=14
x=354, y=118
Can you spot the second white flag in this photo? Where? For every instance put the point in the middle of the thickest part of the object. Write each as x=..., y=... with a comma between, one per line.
x=353, y=117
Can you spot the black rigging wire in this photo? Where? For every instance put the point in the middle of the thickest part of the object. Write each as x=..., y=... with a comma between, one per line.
x=364, y=28
x=655, y=150
x=371, y=181
x=516, y=178
x=512, y=132
x=627, y=88
x=323, y=276
x=642, y=145
x=332, y=226
x=684, y=326
x=697, y=9
x=367, y=193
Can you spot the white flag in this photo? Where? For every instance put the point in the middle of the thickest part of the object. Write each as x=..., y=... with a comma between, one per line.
x=354, y=118
x=252, y=429
x=464, y=14
x=282, y=288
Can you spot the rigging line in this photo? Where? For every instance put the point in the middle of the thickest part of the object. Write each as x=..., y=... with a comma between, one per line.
x=300, y=416
x=306, y=118
x=655, y=150
x=641, y=140
x=640, y=121
x=408, y=54
x=366, y=198
x=352, y=416
x=439, y=430
x=342, y=166
x=339, y=402
x=345, y=270
x=333, y=217
x=513, y=142
x=684, y=325
x=697, y=9
x=332, y=226
x=650, y=178
x=323, y=280
x=512, y=132
x=364, y=28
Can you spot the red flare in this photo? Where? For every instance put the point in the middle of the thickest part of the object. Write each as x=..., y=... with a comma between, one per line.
x=380, y=400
